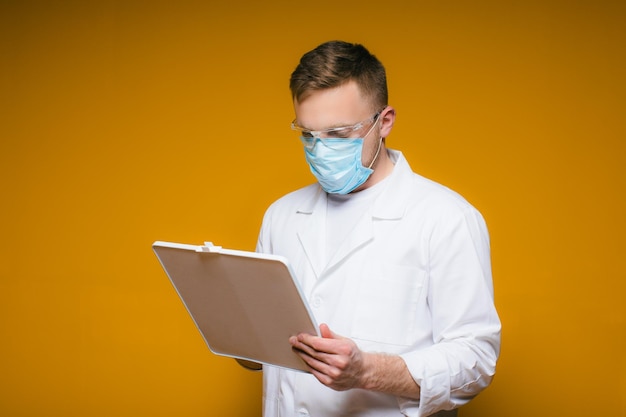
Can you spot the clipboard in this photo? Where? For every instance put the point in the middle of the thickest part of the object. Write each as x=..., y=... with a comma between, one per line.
x=245, y=304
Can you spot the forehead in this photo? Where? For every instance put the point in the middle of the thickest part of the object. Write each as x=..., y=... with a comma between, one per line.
x=332, y=107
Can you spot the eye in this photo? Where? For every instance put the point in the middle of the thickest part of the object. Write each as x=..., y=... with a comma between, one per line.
x=307, y=134
x=341, y=133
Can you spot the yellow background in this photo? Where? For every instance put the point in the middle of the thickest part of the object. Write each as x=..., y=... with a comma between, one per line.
x=125, y=122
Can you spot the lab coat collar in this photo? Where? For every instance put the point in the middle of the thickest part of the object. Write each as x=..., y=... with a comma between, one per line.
x=392, y=202
x=390, y=205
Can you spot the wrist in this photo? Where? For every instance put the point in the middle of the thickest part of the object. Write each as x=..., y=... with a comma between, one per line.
x=370, y=376
x=389, y=374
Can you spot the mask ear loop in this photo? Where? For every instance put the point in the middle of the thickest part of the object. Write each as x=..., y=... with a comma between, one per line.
x=380, y=143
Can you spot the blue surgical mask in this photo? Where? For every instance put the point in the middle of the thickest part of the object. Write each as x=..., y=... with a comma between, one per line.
x=336, y=163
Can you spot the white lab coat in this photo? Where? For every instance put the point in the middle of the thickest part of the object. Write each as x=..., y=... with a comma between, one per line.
x=413, y=279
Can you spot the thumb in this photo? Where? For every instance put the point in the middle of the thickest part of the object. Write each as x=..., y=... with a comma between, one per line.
x=327, y=333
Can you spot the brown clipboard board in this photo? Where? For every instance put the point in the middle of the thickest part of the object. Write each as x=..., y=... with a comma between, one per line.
x=245, y=304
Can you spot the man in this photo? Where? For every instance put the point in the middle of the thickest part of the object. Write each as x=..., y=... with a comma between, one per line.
x=396, y=267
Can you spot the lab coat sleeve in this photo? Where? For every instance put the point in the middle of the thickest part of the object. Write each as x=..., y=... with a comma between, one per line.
x=263, y=241
x=465, y=324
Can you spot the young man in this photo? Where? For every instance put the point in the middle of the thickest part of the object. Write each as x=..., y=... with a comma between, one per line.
x=396, y=267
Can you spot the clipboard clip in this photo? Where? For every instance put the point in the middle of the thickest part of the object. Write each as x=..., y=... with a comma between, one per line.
x=209, y=247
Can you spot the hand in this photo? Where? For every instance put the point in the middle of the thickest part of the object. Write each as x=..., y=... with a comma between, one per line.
x=334, y=360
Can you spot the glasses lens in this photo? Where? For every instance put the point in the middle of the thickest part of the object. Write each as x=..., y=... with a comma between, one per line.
x=308, y=142
x=341, y=132
x=344, y=132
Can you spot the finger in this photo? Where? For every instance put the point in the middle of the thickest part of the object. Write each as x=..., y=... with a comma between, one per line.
x=319, y=344
x=326, y=332
x=313, y=359
x=323, y=378
x=313, y=351
x=301, y=346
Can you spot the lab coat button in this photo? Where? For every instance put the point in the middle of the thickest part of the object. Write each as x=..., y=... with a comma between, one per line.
x=317, y=301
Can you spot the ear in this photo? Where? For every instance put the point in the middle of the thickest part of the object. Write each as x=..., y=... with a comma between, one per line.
x=387, y=119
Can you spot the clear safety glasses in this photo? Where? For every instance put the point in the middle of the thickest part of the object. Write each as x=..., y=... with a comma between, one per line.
x=341, y=132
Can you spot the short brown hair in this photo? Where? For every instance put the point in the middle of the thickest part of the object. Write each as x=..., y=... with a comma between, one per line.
x=334, y=63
